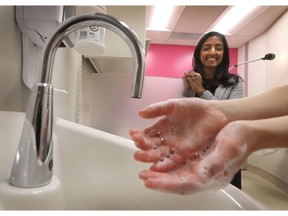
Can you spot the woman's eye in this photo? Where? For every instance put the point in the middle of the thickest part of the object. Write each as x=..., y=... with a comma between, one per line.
x=206, y=48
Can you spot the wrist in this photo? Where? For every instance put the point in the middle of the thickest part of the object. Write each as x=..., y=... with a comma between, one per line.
x=239, y=138
x=250, y=133
x=200, y=92
x=267, y=133
x=230, y=108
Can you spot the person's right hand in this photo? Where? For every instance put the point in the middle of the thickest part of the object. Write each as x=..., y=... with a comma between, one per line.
x=212, y=171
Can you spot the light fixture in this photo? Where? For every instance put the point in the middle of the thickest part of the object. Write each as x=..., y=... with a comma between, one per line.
x=233, y=17
x=161, y=17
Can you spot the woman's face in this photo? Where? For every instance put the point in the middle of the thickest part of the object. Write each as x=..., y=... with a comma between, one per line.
x=211, y=53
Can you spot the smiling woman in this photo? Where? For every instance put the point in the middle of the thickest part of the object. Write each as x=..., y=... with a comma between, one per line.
x=210, y=78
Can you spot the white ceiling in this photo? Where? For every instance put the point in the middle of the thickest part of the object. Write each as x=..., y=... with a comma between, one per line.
x=190, y=23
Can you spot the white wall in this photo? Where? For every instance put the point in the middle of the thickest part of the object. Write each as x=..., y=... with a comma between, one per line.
x=241, y=69
x=257, y=70
x=263, y=76
x=277, y=71
x=13, y=93
x=114, y=111
x=66, y=75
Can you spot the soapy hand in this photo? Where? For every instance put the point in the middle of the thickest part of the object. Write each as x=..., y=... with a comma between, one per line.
x=185, y=153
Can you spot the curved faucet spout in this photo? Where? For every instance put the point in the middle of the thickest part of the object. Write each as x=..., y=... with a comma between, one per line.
x=33, y=164
x=102, y=20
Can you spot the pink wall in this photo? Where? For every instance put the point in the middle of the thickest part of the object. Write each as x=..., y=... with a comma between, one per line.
x=173, y=60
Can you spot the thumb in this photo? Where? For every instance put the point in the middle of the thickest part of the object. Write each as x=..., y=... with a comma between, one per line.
x=158, y=109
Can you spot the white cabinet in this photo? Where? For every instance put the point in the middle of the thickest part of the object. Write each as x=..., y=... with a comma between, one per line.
x=117, y=56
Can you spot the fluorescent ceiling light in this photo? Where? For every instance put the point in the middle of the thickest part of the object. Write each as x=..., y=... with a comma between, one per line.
x=161, y=17
x=231, y=19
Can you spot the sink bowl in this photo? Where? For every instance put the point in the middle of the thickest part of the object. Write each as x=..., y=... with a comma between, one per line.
x=95, y=170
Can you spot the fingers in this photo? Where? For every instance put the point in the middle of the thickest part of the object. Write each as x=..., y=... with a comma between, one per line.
x=163, y=158
x=157, y=151
x=214, y=171
x=157, y=109
x=167, y=162
x=191, y=74
x=139, y=140
x=151, y=136
x=194, y=77
x=188, y=179
x=185, y=75
x=171, y=183
x=149, y=155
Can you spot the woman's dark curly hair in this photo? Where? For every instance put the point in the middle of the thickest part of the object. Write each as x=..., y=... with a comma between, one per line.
x=222, y=76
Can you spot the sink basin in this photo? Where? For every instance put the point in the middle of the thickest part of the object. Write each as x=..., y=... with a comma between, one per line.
x=95, y=170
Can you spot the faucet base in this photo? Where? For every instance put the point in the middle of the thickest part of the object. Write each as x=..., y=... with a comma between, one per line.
x=33, y=164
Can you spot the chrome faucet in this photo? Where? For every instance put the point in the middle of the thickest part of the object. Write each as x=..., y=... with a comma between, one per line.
x=33, y=164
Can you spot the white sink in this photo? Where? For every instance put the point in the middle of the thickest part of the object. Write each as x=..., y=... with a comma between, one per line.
x=95, y=170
